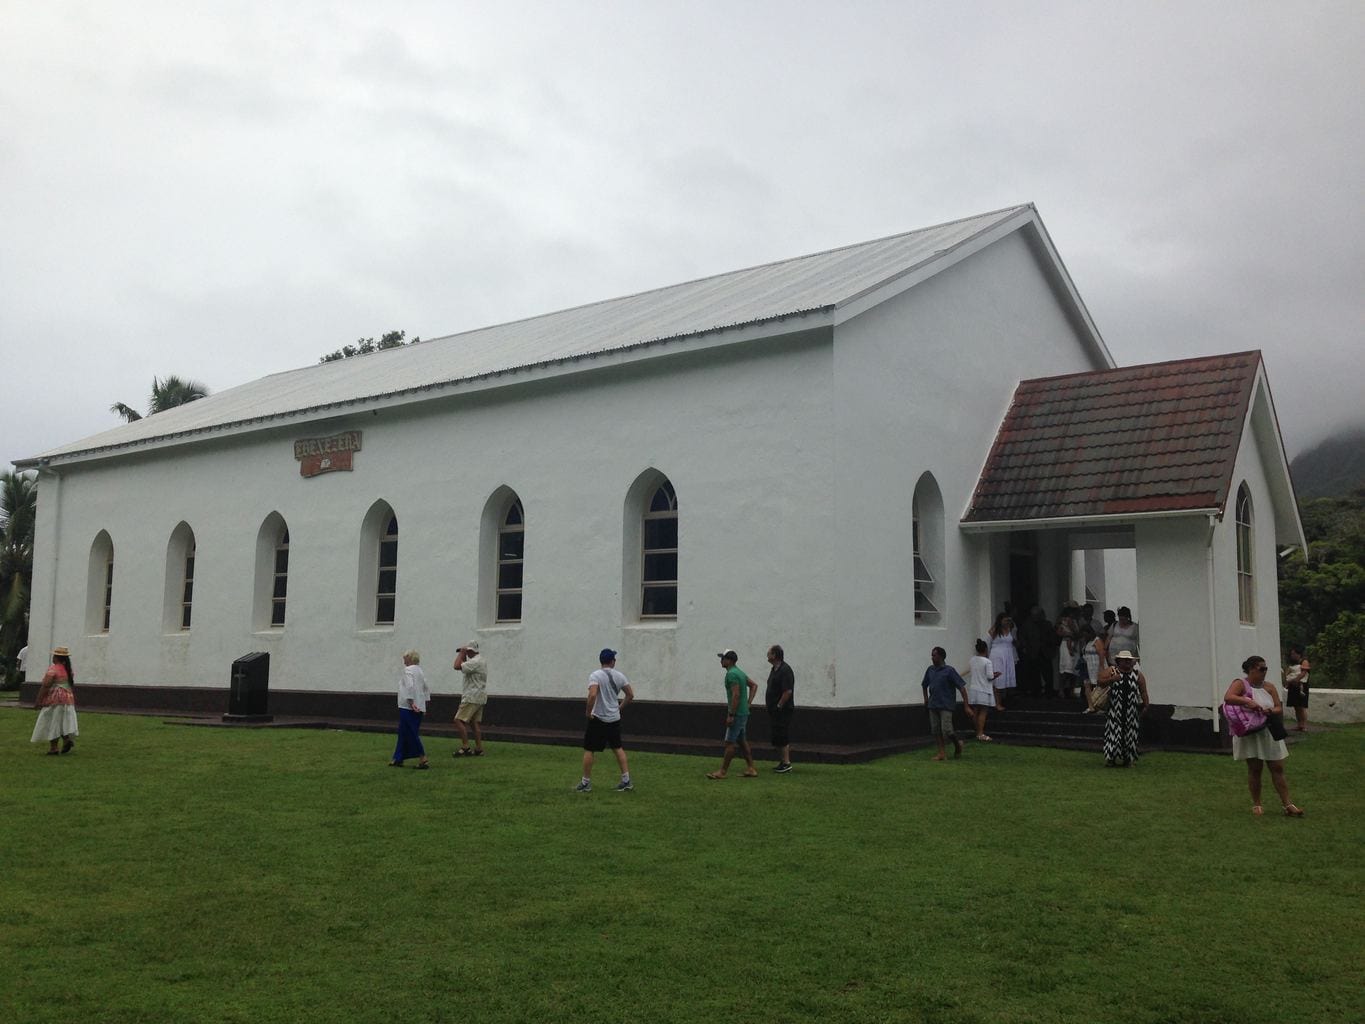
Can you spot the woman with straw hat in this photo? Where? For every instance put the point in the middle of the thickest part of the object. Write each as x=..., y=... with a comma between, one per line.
x=56, y=704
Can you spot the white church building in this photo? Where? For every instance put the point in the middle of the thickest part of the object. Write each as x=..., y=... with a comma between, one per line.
x=860, y=454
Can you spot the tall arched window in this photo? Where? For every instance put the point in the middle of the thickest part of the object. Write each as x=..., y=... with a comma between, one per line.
x=178, y=605
x=386, y=593
x=1246, y=578
x=377, y=578
x=272, y=573
x=659, y=555
x=926, y=542
x=99, y=587
x=511, y=552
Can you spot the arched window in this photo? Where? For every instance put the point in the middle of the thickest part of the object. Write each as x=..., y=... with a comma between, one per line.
x=502, y=559
x=1246, y=579
x=178, y=604
x=649, y=551
x=377, y=579
x=272, y=573
x=99, y=588
x=659, y=555
x=926, y=542
x=511, y=552
x=386, y=593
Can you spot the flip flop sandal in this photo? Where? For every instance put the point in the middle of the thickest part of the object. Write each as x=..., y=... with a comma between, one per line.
x=716, y=775
x=1290, y=811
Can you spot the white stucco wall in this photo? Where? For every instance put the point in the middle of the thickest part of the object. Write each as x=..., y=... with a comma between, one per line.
x=1238, y=640
x=921, y=383
x=1172, y=557
x=795, y=460
x=744, y=435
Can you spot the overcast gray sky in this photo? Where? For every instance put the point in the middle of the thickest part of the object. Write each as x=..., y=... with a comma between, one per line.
x=223, y=191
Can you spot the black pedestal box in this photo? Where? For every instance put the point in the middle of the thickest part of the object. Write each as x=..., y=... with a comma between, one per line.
x=250, y=689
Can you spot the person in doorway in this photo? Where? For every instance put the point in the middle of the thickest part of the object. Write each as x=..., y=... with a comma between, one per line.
x=21, y=663
x=1003, y=656
x=606, y=690
x=1123, y=635
x=1260, y=748
x=1127, y=687
x=980, y=689
x=473, y=669
x=941, y=685
x=739, y=694
x=413, y=695
x=56, y=704
x=1093, y=659
x=1296, y=686
x=780, y=699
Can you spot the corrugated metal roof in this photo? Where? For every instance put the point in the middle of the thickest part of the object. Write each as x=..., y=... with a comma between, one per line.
x=822, y=281
x=1161, y=437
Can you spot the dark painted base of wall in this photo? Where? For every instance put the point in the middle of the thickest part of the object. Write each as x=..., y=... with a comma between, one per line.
x=820, y=734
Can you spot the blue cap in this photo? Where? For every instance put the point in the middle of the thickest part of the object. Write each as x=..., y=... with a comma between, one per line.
x=607, y=655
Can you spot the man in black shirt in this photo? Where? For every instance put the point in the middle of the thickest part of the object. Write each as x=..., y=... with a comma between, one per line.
x=780, y=699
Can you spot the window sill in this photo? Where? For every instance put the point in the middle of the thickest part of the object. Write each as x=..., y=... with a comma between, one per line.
x=273, y=633
x=652, y=624
x=375, y=631
x=499, y=627
x=97, y=636
x=179, y=634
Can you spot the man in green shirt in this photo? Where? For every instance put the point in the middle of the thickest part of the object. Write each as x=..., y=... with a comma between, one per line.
x=739, y=692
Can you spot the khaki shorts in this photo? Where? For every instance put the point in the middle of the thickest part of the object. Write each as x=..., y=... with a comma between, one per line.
x=469, y=713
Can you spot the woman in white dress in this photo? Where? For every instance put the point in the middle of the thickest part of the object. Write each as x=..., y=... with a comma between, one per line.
x=1260, y=748
x=980, y=691
x=1003, y=656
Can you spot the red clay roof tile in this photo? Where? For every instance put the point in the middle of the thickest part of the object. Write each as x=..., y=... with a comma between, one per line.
x=1161, y=437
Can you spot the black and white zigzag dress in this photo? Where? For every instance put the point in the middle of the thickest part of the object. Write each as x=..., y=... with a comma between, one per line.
x=1121, y=725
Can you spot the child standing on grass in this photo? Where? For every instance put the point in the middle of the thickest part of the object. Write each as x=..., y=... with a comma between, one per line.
x=980, y=692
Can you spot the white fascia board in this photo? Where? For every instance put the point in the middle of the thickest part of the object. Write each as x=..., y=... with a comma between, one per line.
x=1288, y=525
x=1082, y=522
x=789, y=324
x=1025, y=218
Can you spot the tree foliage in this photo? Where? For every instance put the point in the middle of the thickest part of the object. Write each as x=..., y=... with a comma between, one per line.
x=364, y=346
x=1322, y=598
x=166, y=394
x=18, y=517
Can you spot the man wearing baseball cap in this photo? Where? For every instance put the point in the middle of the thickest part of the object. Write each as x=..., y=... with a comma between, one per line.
x=605, y=687
x=474, y=671
x=739, y=693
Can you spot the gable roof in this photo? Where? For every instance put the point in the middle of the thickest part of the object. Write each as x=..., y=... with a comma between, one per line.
x=789, y=295
x=1157, y=438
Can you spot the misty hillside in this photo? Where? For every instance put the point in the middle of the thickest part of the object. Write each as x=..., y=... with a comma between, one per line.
x=1333, y=467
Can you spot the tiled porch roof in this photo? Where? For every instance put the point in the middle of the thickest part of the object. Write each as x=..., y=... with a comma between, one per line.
x=1156, y=438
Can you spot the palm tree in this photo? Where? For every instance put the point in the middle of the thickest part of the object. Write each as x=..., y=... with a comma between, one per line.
x=18, y=514
x=166, y=394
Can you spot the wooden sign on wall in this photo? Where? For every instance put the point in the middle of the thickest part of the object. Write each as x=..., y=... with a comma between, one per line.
x=326, y=454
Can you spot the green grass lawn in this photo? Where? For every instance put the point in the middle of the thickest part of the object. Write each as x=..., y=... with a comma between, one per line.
x=164, y=873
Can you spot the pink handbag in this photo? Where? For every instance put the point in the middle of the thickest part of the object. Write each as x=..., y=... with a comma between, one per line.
x=1243, y=720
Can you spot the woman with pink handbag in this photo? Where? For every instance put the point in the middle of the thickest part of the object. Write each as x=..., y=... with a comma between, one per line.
x=1260, y=747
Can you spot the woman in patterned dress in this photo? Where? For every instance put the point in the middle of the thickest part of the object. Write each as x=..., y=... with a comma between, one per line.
x=1259, y=748
x=56, y=703
x=1127, y=686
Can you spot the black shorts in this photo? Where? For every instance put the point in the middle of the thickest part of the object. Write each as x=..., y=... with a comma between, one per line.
x=601, y=735
x=1296, y=696
x=781, y=727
